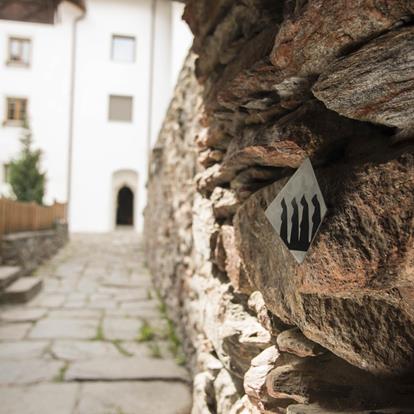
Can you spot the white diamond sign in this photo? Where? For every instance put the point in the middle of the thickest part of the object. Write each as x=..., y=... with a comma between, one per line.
x=298, y=211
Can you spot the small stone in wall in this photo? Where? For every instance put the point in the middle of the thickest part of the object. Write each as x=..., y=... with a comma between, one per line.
x=269, y=321
x=255, y=378
x=209, y=157
x=294, y=342
x=203, y=393
x=233, y=266
x=225, y=203
x=225, y=391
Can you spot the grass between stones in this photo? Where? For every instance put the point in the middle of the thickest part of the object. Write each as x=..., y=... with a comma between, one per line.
x=155, y=350
x=60, y=377
x=171, y=335
x=121, y=349
x=99, y=333
x=146, y=332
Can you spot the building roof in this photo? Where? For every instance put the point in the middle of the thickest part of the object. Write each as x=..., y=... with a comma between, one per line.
x=35, y=11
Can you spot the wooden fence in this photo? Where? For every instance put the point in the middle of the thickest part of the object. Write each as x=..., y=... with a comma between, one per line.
x=17, y=216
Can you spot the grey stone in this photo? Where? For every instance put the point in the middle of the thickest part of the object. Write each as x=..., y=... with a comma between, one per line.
x=29, y=371
x=138, y=306
x=39, y=399
x=8, y=274
x=49, y=300
x=225, y=391
x=135, y=398
x=294, y=342
x=102, y=304
x=14, y=331
x=77, y=296
x=373, y=84
x=29, y=249
x=22, y=349
x=22, y=315
x=203, y=393
x=317, y=409
x=75, y=304
x=134, y=312
x=132, y=295
x=81, y=350
x=121, y=328
x=255, y=378
x=98, y=297
x=65, y=328
x=126, y=368
x=145, y=349
x=22, y=290
x=75, y=313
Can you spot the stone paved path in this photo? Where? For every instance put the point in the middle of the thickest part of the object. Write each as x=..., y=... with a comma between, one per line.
x=94, y=340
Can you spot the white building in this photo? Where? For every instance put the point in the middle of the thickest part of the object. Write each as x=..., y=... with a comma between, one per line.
x=95, y=86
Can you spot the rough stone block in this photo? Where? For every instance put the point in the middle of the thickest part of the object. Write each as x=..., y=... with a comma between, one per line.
x=8, y=274
x=374, y=83
x=294, y=342
x=255, y=378
x=22, y=290
x=233, y=268
x=353, y=292
x=314, y=33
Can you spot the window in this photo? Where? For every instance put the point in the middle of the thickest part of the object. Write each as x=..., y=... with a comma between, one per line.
x=16, y=110
x=123, y=48
x=120, y=108
x=19, y=51
x=6, y=173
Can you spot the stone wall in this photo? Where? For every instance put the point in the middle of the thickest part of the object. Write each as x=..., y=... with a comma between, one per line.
x=269, y=84
x=29, y=249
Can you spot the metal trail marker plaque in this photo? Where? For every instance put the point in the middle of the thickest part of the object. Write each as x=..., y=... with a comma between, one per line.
x=298, y=210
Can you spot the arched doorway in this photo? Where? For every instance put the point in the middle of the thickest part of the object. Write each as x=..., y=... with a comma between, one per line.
x=125, y=198
x=125, y=207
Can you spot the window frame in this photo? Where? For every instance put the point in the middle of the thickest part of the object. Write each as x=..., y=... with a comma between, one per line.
x=120, y=36
x=21, y=39
x=15, y=122
x=6, y=173
x=129, y=121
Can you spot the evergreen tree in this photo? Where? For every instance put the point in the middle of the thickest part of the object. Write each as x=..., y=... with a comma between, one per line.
x=26, y=179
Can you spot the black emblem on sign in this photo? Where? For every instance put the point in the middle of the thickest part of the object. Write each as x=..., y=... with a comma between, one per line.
x=298, y=210
x=301, y=234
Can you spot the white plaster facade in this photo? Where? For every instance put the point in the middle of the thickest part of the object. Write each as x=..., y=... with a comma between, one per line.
x=102, y=150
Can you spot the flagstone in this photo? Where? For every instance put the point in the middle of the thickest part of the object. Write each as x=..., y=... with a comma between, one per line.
x=48, y=300
x=65, y=328
x=14, y=330
x=121, y=328
x=39, y=399
x=78, y=350
x=22, y=314
x=134, y=398
x=29, y=371
x=75, y=313
x=126, y=368
x=22, y=349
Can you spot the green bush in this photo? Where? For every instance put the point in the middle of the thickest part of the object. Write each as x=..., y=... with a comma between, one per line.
x=26, y=179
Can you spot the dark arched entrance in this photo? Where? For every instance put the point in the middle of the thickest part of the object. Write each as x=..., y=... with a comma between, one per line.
x=125, y=207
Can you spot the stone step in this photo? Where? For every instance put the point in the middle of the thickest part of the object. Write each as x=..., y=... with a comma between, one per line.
x=8, y=274
x=126, y=369
x=22, y=290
